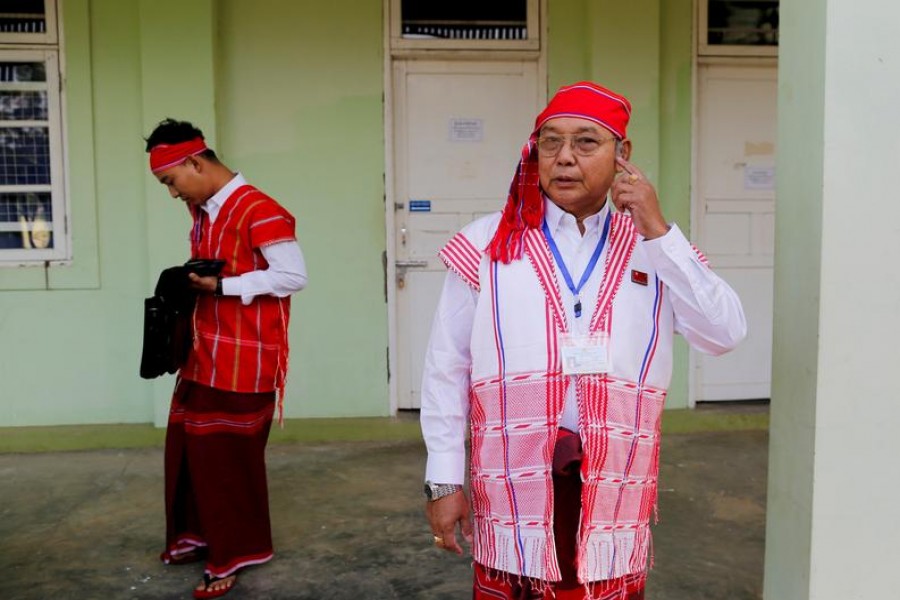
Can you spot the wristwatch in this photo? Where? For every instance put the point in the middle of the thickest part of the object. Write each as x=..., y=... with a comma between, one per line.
x=218, y=291
x=436, y=491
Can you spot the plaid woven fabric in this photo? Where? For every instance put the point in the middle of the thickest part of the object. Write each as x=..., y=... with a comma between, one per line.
x=492, y=585
x=237, y=347
x=514, y=414
x=511, y=474
x=462, y=257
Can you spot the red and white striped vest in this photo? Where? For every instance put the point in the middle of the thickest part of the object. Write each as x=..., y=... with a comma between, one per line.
x=517, y=395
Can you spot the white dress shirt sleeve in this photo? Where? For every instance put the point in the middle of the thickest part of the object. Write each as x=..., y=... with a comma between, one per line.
x=285, y=275
x=445, y=382
x=708, y=313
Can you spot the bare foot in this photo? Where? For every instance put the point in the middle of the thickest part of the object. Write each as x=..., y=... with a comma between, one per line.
x=213, y=587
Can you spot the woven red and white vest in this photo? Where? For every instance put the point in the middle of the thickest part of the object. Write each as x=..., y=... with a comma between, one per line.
x=517, y=394
x=237, y=347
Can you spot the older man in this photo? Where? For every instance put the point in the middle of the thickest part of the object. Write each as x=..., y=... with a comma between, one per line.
x=553, y=339
x=217, y=506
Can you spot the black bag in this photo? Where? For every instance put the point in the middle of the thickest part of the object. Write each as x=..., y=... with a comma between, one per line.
x=167, y=324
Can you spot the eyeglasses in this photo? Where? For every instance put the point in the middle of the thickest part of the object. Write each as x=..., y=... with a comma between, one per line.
x=582, y=145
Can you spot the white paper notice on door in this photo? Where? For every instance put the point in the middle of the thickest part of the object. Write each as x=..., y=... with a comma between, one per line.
x=466, y=130
x=757, y=177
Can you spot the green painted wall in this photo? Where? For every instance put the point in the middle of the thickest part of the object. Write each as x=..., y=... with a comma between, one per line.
x=186, y=92
x=675, y=146
x=641, y=49
x=300, y=114
x=307, y=132
x=796, y=319
x=71, y=334
x=284, y=98
x=832, y=457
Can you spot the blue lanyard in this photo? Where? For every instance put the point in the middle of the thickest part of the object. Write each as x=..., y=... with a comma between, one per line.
x=587, y=271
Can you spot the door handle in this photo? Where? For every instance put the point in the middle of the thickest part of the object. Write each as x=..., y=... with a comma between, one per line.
x=411, y=264
x=403, y=265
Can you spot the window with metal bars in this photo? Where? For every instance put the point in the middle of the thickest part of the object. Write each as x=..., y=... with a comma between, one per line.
x=739, y=27
x=28, y=22
x=463, y=24
x=32, y=206
x=498, y=20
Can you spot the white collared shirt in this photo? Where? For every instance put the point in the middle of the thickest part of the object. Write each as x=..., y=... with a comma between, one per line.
x=576, y=250
x=286, y=273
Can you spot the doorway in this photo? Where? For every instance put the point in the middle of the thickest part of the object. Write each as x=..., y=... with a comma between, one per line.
x=458, y=128
x=734, y=216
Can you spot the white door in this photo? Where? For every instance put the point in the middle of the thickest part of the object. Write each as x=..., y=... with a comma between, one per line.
x=735, y=217
x=458, y=130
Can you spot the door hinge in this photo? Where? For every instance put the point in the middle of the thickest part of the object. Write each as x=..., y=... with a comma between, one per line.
x=384, y=265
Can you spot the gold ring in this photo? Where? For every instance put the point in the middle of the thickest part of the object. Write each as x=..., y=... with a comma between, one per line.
x=633, y=178
x=438, y=540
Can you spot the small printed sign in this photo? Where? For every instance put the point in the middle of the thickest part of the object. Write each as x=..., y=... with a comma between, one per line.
x=420, y=206
x=759, y=178
x=466, y=130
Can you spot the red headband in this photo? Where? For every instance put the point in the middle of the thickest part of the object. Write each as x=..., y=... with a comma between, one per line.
x=164, y=156
x=586, y=100
x=525, y=204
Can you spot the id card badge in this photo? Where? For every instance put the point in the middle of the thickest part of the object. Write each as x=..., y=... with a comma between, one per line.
x=586, y=354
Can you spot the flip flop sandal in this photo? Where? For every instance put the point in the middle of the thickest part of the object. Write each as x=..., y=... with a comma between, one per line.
x=208, y=580
x=184, y=558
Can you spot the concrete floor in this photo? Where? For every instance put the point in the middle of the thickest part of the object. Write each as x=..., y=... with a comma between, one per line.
x=348, y=524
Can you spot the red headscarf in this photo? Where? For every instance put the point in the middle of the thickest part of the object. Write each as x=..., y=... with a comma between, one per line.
x=525, y=204
x=164, y=156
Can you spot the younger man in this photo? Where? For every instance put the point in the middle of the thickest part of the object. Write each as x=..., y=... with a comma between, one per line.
x=217, y=505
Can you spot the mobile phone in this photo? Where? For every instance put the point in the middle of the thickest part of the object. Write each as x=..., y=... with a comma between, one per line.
x=205, y=267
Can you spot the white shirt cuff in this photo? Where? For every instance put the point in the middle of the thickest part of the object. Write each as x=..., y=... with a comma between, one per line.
x=231, y=286
x=446, y=467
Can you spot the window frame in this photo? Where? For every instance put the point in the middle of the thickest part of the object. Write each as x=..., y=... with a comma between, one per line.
x=704, y=48
x=532, y=42
x=50, y=35
x=50, y=54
